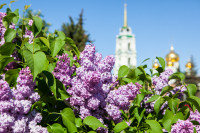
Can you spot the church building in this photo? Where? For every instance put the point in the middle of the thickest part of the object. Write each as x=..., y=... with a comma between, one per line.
x=125, y=53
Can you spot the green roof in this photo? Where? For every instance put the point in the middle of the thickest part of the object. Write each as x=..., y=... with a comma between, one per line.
x=124, y=27
x=129, y=36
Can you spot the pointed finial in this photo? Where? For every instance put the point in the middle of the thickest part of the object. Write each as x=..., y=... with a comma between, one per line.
x=125, y=15
x=190, y=59
x=172, y=48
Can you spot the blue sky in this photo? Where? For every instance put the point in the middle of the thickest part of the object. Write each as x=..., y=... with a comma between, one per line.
x=155, y=23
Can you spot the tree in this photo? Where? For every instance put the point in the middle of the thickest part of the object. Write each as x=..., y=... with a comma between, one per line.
x=76, y=32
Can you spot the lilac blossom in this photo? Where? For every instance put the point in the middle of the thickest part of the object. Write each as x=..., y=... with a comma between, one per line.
x=182, y=126
x=29, y=34
x=92, y=89
x=15, y=106
x=30, y=22
x=158, y=83
x=2, y=28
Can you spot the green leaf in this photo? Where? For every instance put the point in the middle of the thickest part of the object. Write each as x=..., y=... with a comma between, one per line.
x=32, y=47
x=45, y=41
x=167, y=120
x=16, y=18
x=120, y=126
x=8, y=19
x=171, y=118
x=195, y=130
x=153, y=98
x=51, y=67
x=123, y=71
x=173, y=104
x=62, y=93
x=24, y=42
x=51, y=82
x=26, y=7
x=37, y=22
x=162, y=62
x=155, y=126
x=195, y=101
x=61, y=35
x=93, y=122
x=4, y=60
x=37, y=62
x=78, y=122
x=159, y=102
x=12, y=1
x=191, y=89
x=70, y=55
x=2, y=5
x=56, y=128
x=127, y=80
x=11, y=76
x=139, y=98
x=177, y=75
x=139, y=115
x=145, y=60
x=178, y=116
x=9, y=35
x=91, y=132
x=56, y=46
x=186, y=111
x=68, y=119
x=7, y=48
x=73, y=45
x=137, y=72
x=166, y=89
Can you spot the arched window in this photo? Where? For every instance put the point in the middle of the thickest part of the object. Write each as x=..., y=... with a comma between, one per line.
x=129, y=61
x=129, y=46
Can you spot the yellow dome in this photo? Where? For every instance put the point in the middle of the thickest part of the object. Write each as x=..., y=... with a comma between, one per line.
x=189, y=65
x=172, y=56
x=170, y=64
x=156, y=65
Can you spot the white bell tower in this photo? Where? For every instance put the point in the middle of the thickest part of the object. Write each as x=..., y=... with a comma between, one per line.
x=125, y=52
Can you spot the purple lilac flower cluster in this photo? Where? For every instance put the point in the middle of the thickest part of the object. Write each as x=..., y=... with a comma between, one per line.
x=120, y=99
x=11, y=65
x=194, y=116
x=63, y=71
x=187, y=126
x=182, y=126
x=28, y=33
x=15, y=105
x=92, y=88
x=3, y=29
x=159, y=83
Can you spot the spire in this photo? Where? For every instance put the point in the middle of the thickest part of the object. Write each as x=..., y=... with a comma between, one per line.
x=172, y=48
x=125, y=15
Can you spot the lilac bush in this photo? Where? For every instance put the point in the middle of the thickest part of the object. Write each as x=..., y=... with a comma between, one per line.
x=92, y=89
x=159, y=82
x=69, y=91
x=16, y=103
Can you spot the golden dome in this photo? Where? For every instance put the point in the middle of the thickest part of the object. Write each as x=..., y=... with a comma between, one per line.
x=156, y=65
x=172, y=56
x=189, y=65
x=170, y=63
